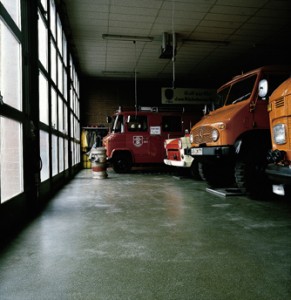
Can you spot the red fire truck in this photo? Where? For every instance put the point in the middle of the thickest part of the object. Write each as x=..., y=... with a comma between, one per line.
x=137, y=136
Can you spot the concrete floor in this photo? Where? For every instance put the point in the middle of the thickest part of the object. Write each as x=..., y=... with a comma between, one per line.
x=150, y=236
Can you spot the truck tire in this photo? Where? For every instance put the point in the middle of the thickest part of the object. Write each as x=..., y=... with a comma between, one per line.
x=250, y=165
x=251, y=178
x=217, y=174
x=194, y=170
x=122, y=162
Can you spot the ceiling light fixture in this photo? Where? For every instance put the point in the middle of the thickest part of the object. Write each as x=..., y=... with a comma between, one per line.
x=132, y=38
x=118, y=73
x=214, y=42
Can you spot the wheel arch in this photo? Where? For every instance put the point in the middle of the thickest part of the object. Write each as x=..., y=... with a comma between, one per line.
x=116, y=152
x=255, y=140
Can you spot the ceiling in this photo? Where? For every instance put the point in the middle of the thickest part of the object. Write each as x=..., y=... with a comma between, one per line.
x=227, y=36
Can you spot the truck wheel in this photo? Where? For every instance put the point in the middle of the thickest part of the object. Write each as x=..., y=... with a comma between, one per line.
x=217, y=174
x=251, y=178
x=122, y=162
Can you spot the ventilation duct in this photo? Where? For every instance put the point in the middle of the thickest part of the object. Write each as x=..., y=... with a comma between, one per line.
x=167, y=46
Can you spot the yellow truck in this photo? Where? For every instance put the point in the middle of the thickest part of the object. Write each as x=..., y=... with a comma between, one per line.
x=231, y=142
x=279, y=157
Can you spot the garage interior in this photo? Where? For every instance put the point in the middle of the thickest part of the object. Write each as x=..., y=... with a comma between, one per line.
x=151, y=233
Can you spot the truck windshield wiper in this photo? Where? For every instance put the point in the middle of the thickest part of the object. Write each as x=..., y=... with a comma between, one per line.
x=241, y=98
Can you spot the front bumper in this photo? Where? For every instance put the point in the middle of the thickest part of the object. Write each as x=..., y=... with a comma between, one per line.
x=279, y=173
x=222, y=151
x=185, y=163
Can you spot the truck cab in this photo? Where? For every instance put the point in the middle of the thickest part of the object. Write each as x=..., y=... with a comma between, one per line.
x=137, y=136
x=231, y=141
x=279, y=157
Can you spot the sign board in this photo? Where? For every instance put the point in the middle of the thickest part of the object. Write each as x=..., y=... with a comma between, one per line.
x=187, y=96
x=155, y=130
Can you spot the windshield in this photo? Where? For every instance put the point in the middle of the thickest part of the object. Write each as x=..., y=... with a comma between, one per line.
x=242, y=90
x=221, y=97
x=117, y=124
x=239, y=91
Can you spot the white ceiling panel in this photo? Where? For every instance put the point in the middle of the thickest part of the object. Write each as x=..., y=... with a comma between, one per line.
x=246, y=25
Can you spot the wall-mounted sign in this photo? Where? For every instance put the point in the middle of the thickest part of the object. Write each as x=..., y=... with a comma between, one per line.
x=187, y=96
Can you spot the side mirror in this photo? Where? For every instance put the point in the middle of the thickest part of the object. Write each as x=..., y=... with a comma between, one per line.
x=263, y=89
x=108, y=119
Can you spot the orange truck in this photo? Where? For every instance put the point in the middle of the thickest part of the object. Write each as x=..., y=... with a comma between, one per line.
x=279, y=157
x=137, y=136
x=230, y=143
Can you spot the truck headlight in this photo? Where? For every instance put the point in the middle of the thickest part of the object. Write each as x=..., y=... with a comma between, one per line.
x=214, y=135
x=279, y=134
x=191, y=138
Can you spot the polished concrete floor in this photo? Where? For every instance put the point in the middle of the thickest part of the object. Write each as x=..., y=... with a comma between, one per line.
x=150, y=235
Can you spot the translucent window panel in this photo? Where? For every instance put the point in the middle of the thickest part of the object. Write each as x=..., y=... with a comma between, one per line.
x=53, y=17
x=76, y=82
x=42, y=42
x=43, y=99
x=76, y=129
x=65, y=50
x=66, y=154
x=13, y=8
x=44, y=4
x=72, y=98
x=65, y=118
x=53, y=62
x=75, y=102
x=65, y=85
x=44, y=154
x=61, y=154
x=60, y=75
x=73, y=152
x=11, y=159
x=61, y=115
x=60, y=35
x=54, y=104
x=10, y=68
x=77, y=110
x=54, y=155
x=71, y=67
x=77, y=85
x=78, y=153
x=72, y=124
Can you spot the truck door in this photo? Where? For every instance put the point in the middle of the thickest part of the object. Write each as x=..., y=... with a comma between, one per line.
x=156, y=143
x=137, y=137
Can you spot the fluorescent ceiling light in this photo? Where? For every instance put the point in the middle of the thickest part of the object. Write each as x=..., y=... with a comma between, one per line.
x=118, y=73
x=214, y=42
x=132, y=38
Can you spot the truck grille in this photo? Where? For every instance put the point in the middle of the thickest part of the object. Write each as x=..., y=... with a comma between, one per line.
x=202, y=135
x=279, y=102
